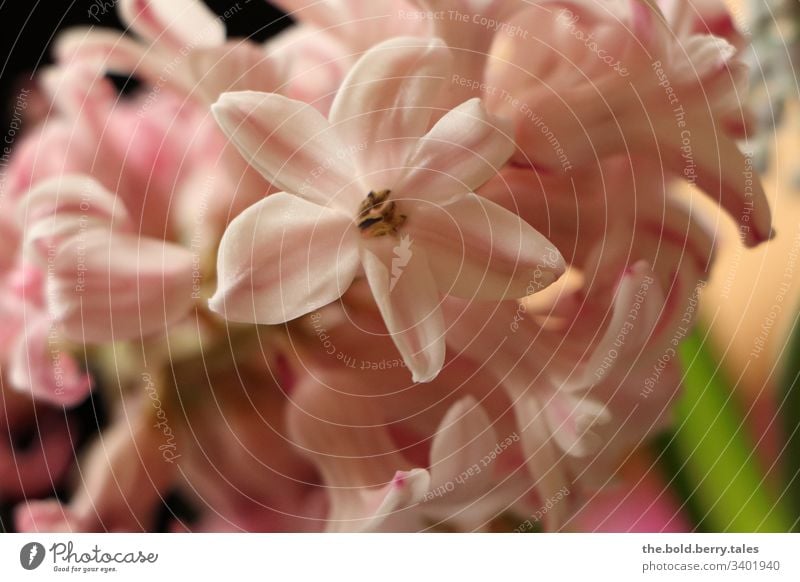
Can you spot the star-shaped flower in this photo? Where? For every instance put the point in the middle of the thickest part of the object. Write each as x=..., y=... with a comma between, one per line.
x=375, y=189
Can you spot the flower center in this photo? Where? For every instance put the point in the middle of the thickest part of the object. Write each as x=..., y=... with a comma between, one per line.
x=378, y=216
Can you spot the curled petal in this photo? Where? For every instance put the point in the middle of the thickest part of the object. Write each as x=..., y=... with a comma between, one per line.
x=463, y=438
x=282, y=258
x=571, y=419
x=369, y=483
x=405, y=290
x=108, y=287
x=465, y=148
x=114, y=52
x=544, y=461
x=478, y=249
x=61, y=207
x=291, y=144
x=385, y=103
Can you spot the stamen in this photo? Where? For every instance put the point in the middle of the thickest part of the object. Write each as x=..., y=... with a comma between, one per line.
x=377, y=215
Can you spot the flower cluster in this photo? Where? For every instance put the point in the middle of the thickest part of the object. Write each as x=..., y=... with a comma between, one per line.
x=317, y=282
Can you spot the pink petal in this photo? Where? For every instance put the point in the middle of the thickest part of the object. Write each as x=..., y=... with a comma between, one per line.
x=292, y=145
x=406, y=293
x=64, y=206
x=108, y=287
x=282, y=258
x=369, y=483
x=40, y=366
x=466, y=148
x=231, y=67
x=478, y=249
x=464, y=437
x=314, y=65
x=571, y=419
x=177, y=23
x=385, y=102
x=646, y=505
x=114, y=52
x=544, y=461
x=48, y=516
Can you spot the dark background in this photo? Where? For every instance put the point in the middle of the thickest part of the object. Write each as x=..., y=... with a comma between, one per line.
x=27, y=30
x=28, y=27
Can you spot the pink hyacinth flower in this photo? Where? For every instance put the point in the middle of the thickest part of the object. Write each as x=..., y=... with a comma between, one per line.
x=375, y=187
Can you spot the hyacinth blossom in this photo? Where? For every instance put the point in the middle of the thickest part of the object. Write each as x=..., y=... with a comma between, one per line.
x=374, y=188
x=410, y=265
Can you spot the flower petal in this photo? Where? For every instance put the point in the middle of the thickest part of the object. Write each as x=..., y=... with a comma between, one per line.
x=369, y=483
x=543, y=459
x=384, y=104
x=465, y=148
x=478, y=249
x=282, y=258
x=108, y=287
x=114, y=52
x=406, y=293
x=180, y=24
x=291, y=144
x=63, y=206
x=43, y=369
x=463, y=438
x=235, y=66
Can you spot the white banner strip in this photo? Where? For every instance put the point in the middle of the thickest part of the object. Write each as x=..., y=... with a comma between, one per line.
x=400, y=557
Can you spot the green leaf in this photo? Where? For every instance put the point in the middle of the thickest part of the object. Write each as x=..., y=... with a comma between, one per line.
x=712, y=457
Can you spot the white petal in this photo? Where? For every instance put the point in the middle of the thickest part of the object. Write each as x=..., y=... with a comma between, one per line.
x=385, y=104
x=236, y=66
x=282, y=258
x=292, y=145
x=479, y=250
x=466, y=148
x=406, y=293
